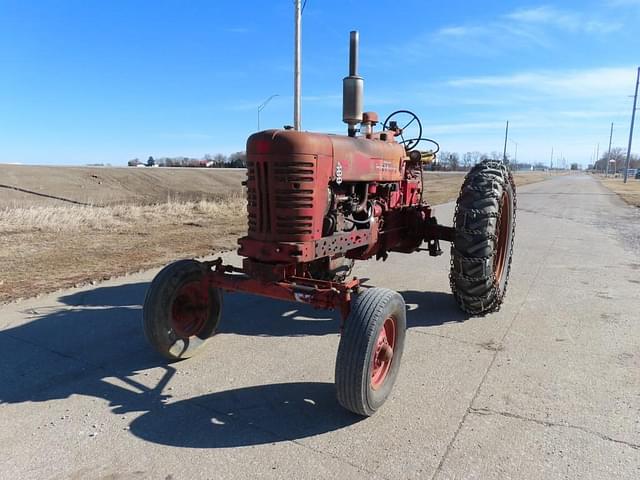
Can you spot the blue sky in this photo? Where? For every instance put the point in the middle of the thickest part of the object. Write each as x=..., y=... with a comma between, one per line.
x=106, y=81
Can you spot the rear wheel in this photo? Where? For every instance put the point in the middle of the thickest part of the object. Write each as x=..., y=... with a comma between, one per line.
x=180, y=310
x=370, y=350
x=482, y=248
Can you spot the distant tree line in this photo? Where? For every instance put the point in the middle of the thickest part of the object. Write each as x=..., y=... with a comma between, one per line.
x=452, y=161
x=219, y=160
x=446, y=161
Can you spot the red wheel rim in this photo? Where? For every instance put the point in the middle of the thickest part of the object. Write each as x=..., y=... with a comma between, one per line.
x=503, y=237
x=190, y=309
x=382, y=356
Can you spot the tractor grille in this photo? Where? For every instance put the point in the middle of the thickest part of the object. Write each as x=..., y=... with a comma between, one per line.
x=280, y=196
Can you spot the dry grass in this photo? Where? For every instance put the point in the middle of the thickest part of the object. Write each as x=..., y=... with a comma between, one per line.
x=629, y=192
x=77, y=218
x=47, y=247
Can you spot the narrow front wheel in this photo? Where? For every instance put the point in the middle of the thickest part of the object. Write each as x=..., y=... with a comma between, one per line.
x=180, y=310
x=370, y=350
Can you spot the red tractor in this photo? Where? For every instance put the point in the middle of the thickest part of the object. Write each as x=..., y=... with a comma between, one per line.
x=318, y=202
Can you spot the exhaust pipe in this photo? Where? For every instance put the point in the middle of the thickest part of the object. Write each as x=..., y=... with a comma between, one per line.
x=352, y=89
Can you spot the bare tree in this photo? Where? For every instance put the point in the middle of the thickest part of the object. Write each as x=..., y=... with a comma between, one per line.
x=619, y=155
x=238, y=160
x=467, y=160
x=450, y=160
x=454, y=161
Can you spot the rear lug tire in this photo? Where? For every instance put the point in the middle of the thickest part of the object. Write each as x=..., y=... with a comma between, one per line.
x=482, y=248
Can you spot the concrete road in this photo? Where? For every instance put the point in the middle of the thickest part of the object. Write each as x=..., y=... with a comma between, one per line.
x=549, y=387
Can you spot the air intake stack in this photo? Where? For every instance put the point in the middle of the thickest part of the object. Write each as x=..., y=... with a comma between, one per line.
x=352, y=89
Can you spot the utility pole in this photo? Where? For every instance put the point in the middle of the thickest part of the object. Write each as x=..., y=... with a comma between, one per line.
x=506, y=135
x=609, y=152
x=597, y=152
x=551, y=162
x=633, y=116
x=296, y=66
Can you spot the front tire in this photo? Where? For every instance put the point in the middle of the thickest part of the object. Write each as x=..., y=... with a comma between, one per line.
x=482, y=248
x=180, y=311
x=370, y=350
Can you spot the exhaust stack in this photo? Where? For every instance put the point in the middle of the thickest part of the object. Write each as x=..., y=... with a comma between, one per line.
x=352, y=89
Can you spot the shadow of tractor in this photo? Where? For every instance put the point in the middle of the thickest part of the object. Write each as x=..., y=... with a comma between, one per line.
x=95, y=337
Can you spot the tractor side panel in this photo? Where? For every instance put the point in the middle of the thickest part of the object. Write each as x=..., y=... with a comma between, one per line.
x=363, y=160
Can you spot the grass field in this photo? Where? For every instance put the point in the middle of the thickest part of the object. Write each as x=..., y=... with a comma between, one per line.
x=629, y=192
x=48, y=244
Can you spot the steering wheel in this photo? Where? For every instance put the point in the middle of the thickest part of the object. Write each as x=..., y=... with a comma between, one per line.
x=406, y=118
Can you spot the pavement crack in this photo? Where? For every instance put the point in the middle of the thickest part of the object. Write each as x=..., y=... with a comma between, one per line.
x=338, y=458
x=449, y=447
x=453, y=339
x=248, y=423
x=545, y=423
x=50, y=350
